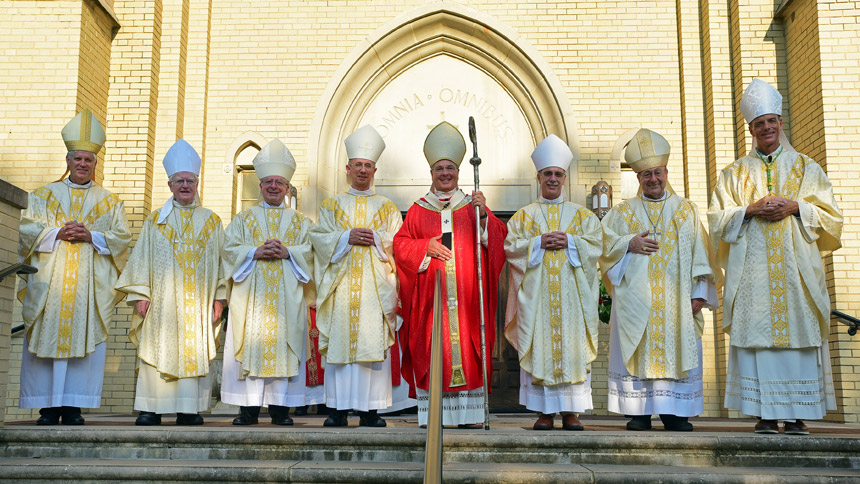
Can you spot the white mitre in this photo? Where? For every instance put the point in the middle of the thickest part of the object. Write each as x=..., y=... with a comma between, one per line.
x=275, y=159
x=181, y=157
x=84, y=133
x=760, y=98
x=552, y=151
x=444, y=142
x=364, y=143
x=647, y=149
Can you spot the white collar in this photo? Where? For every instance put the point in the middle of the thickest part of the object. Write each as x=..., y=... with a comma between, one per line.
x=560, y=199
x=266, y=205
x=441, y=195
x=168, y=207
x=360, y=193
x=72, y=184
x=666, y=195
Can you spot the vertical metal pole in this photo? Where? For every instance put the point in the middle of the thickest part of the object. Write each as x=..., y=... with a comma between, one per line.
x=433, y=448
x=476, y=161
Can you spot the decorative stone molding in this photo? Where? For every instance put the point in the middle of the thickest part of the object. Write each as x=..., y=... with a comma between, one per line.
x=437, y=28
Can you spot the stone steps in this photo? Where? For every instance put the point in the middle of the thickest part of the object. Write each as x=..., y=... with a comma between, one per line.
x=158, y=471
x=407, y=445
x=111, y=451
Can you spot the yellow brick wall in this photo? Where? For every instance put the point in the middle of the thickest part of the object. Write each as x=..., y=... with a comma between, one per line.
x=40, y=87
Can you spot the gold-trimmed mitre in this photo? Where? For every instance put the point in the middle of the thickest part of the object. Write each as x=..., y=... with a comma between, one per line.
x=760, y=98
x=364, y=143
x=444, y=142
x=275, y=159
x=552, y=151
x=646, y=149
x=84, y=133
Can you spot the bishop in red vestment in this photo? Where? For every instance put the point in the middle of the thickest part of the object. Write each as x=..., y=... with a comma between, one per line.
x=439, y=233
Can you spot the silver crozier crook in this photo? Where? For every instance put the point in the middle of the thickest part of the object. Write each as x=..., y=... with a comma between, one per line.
x=476, y=161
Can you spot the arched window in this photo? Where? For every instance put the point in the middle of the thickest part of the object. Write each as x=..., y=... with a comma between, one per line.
x=240, y=155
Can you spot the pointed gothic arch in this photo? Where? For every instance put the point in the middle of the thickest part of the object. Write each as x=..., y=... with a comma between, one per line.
x=439, y=28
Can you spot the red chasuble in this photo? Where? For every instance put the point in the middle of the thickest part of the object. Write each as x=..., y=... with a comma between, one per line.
x=423, y=221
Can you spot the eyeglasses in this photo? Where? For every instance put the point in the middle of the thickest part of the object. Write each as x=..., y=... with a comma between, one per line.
x=185, y=181
x=274, y=181
x=549, y=173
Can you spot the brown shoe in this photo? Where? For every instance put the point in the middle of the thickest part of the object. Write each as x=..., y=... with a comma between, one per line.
x=767, y=427
x=795, y=428
x=544, y=422
x=570, y=422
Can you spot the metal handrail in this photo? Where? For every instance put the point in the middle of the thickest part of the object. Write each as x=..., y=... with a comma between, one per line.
x=17, y=269
x=852, y=322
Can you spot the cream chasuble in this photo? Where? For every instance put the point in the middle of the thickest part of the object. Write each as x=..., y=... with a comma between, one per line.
x=68, y=304
x=552, y=307
x=268, y=307
x=657, y=331
x=356, y=292
x=176, y=266
x=775, y=294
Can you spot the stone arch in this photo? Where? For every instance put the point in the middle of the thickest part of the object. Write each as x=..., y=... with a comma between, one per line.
x=438, y=28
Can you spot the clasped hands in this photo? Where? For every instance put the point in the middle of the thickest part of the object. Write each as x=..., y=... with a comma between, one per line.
x=75, y=231
x=142, y=307
x=272, y=249
x=361, y=237
x=772, y=208
x=641, y=244
x=553, y=241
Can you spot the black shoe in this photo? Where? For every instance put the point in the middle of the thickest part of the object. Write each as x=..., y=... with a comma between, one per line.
x=72, y=416
x=280, y=415
x=370, y=419
x=189, y=419
x=301, y=411
x=474, y=426
x=639, y=422
x=675, y=424
x=247, y=416
x=337, y=418
x=49, y=416
x=148, y=419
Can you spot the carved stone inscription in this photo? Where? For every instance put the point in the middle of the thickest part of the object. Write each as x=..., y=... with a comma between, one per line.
x=444, y=88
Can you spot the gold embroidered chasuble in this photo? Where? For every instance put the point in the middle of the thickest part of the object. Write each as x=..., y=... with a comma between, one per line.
x=268, y=309
x=176, y=266
x=656, y=327
x=356, y=295
x=552, y=307
x=68, y=304
x=775, y=294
